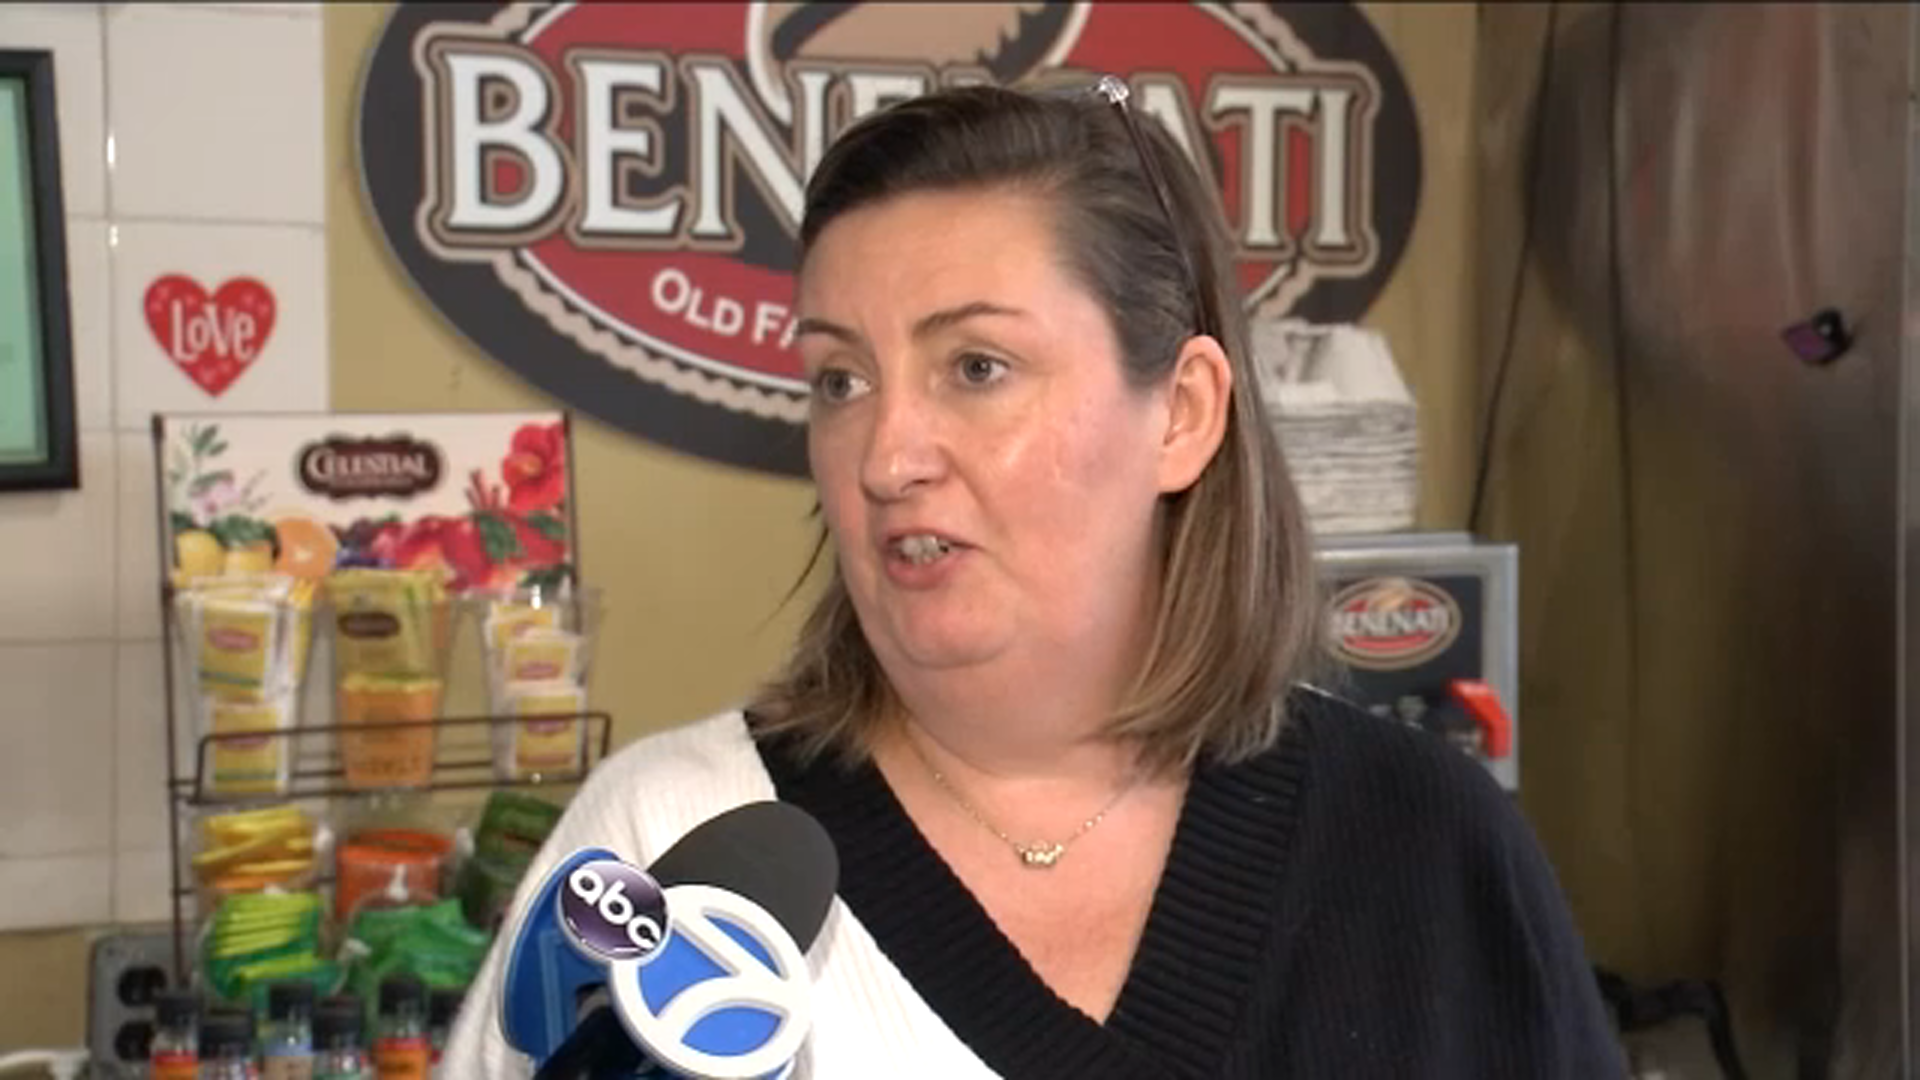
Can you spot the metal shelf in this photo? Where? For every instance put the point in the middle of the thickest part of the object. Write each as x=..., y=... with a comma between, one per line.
x=457, y=765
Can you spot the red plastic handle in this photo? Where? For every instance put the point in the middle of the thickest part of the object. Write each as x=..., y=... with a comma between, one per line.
x=1483, y=704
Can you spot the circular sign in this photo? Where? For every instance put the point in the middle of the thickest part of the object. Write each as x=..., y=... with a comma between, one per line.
x=604, y=197
x=1390, y=623
x=613, y=911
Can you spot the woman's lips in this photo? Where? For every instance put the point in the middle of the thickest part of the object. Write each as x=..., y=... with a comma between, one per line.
x=921, y=558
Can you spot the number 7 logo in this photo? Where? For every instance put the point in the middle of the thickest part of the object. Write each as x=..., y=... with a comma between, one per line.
x=724, y=997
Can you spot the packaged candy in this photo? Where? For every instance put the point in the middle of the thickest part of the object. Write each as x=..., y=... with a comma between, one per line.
x=383, y=757
x=239, y=641
x=485, y=888
x=433, y=942
x=537, y=642
x=391, y=623
x=251, y=766
x=261, y=937
x=512, y=828
x=541, y=656
x=249, y=850
x=245, y=641
x=508, y=619
x=401, y=866
x=546, y=746
x=513, y=825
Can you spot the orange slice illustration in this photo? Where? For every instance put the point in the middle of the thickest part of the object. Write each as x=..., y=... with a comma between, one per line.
x=307, y=547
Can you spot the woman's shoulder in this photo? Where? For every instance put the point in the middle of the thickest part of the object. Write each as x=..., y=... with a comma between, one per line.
x=1423, y=867
x=709, y=746
x=1408, y=782
x=661, y=785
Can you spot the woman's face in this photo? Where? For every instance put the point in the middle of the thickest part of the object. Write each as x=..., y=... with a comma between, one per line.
x=989, y=477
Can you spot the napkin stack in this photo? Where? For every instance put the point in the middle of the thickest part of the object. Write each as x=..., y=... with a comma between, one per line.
x=1346, y=421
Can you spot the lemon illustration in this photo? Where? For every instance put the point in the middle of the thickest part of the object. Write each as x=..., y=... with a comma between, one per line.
x=254, y=558
x=198, y=553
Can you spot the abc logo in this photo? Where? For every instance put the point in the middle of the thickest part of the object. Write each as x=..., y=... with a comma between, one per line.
x=613, y=911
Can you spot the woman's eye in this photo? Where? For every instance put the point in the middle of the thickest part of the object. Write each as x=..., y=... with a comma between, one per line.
x=837, y=384
x=979, y=369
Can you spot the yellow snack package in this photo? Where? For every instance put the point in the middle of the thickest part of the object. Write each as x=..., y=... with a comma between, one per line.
x=388, y=622
x=542, y=746
x=381, y=757
x=541, y=656
x=507, y=620
x=237, y=641
x=247, y=766
x=239, y=826
x=299, y=631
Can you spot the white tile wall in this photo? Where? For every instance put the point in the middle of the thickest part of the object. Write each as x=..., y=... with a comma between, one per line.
x=56, y=778
x=57, y=557
x=72, y=31
x=142, y=886
x=88, y=291
x=290, y=372
x=57, y=890
x=213, y=114
x=139, y=742
x=138, y=586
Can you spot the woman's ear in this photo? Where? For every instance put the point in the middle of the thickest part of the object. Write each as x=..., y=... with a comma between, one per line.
x=1198, y=394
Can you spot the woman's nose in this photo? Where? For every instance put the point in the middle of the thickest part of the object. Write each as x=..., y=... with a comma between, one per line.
x=904, y=448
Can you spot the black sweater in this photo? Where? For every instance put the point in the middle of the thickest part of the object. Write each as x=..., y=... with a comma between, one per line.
x=1359, y=901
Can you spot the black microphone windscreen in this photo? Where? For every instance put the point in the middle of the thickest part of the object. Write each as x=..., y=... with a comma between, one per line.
x=773, y=852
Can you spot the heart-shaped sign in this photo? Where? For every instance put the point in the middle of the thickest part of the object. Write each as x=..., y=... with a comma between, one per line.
x=212, y=338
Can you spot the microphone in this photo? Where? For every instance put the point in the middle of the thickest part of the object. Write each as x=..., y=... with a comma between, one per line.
x=699, y=962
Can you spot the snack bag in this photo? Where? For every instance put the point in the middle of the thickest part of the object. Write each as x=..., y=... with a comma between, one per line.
x=508, y=619
x=250, y=850
x=541, y=656
x=251, y=766
x=387, y=757
x=389, y=622
x=237, y=640
x=245, y=649
x=542, y=746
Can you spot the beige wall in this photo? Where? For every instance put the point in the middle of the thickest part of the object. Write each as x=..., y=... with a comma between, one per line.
x=695, y=557
x=43, y=989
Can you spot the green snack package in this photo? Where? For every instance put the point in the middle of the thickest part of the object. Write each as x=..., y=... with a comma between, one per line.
x=514, y=825
x=432, y=942
x=485, y=887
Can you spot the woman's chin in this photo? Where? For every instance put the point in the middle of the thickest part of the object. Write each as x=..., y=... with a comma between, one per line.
x=944, y=649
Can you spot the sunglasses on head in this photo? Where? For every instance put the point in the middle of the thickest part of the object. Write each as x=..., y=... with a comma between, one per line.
x=1116, y=92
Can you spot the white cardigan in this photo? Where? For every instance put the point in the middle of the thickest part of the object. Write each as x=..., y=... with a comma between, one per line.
x=868, y=1021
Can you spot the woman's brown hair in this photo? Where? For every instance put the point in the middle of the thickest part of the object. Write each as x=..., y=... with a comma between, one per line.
x=1237, y=607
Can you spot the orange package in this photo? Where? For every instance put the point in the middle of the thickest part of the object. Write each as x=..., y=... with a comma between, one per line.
x=376, y=862
x=384, y=757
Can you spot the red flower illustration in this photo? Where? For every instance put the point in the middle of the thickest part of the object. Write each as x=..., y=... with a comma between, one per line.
x=536, y=468
x=453, y=544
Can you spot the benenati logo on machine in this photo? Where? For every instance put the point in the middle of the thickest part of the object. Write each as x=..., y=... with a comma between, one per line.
x=605, y=197
x=1388, y=623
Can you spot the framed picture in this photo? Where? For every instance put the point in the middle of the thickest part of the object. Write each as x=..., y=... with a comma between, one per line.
x=38, y=443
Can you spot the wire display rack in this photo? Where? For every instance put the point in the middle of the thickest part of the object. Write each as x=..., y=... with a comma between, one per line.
x=463, y=759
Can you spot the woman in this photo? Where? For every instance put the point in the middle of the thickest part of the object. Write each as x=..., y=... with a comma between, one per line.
x=1088, y=826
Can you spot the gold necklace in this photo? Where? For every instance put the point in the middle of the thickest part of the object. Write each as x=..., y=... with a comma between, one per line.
x=1039, y=855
